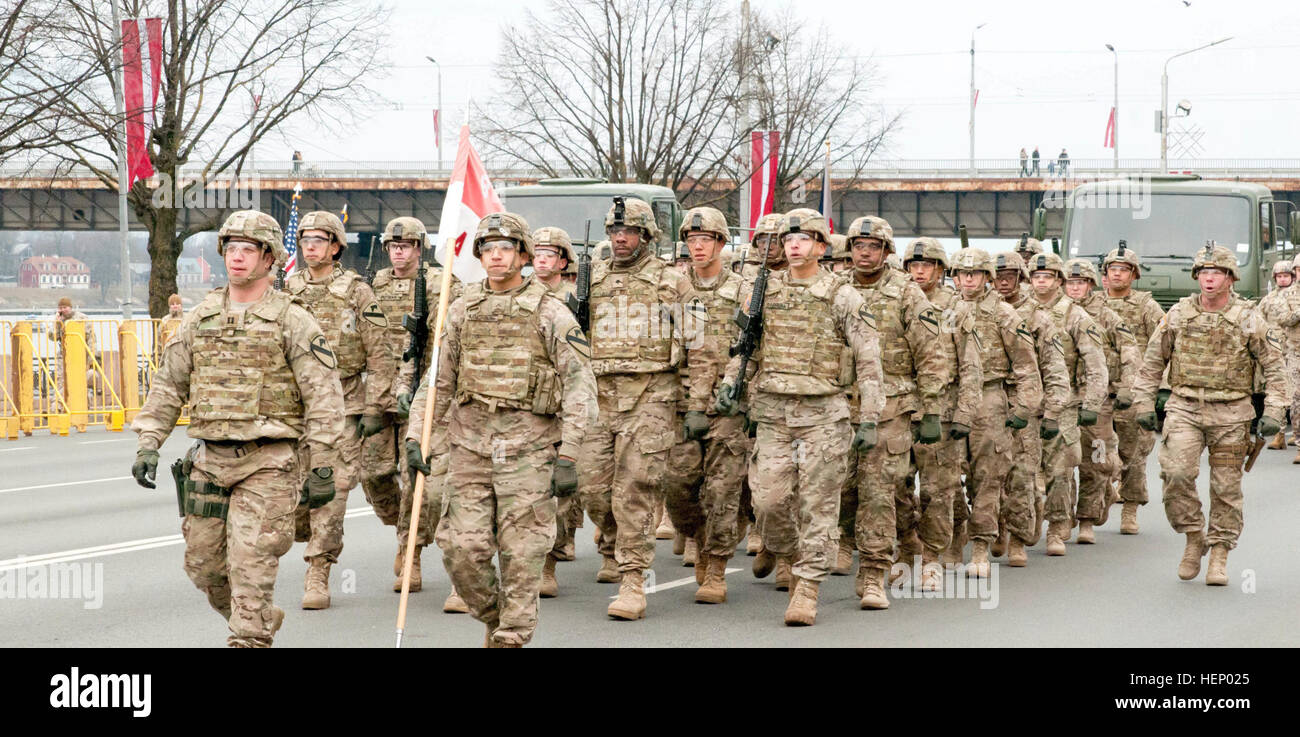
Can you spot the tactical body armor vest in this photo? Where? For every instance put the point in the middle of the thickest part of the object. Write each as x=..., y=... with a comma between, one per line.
x=1130, y=311
x=885, y=301
x=331, y=305
x=993, y=356
x=503, y=362
x=1210, y=350
x=632, y=320
x=722, y=299
x=240, y=373
x=802, y=351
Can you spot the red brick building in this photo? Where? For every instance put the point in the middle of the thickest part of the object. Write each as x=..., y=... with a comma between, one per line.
x=53, y=272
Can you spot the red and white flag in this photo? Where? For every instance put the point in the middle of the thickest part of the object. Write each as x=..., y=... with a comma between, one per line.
x=764, y=147
x=1110, y=131
x=137, y=150
x=470, y=198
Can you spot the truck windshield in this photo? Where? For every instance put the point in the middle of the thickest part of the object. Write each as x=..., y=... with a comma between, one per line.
x=1176, y=227
x=569, y=212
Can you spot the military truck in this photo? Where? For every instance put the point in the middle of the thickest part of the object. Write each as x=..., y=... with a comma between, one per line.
x=570, y=203
x=1166, y=219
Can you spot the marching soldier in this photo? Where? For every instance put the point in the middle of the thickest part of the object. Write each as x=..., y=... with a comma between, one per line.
x=356, y=328
x=259, y=376
x=764, y=234
x=1141, y=314
x=816, y=337
x=706, y=469
x=514, y=373
x=1023, y=511
x=1100, y=462
x=939, y=465
x=877, y=509
x=1272, y=306
x=167, y=326
x=1212, y=343
x=644, y=317
x=1007, y=355
x=384, y=478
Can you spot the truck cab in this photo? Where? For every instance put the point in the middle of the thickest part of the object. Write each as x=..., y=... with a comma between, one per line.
x=574, y=203
x=1168, y=219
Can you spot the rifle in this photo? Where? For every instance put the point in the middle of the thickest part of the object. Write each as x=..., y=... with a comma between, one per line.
x=579, y=302
x=751, y=323
x=1024, y=241
x=370, y=263
x=1056, y=246
x=965, y=239
x=417, y=323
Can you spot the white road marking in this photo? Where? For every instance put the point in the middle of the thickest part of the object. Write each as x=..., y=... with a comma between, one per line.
x=675, y=584
x=129, y=546
x=21, y=447
x=110, y=440
x=64, y=483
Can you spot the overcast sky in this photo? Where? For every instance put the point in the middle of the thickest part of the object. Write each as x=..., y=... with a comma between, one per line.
x=1044, y=75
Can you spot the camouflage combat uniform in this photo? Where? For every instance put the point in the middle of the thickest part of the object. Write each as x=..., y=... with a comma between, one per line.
x=515, y=379
x=259, y=380
x=1281, y=307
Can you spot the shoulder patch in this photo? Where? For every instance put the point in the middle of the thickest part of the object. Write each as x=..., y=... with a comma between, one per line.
x=697, y=310
x=1095, y=334
x=1056, y=343
x=578, y=342
x=374, y=315
x=1022, y=330
x=1122, y=328
x=979, y=343
x=320, y=348
x=867, y=316
x=930, y=320
x=1273, y=339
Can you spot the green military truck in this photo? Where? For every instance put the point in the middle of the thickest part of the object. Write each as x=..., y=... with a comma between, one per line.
x=571, y=203
x=1167, y=219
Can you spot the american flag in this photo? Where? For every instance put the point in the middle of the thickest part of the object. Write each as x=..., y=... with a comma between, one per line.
x=291, y=233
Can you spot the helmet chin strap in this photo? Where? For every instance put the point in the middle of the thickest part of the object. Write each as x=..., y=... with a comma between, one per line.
x=632, y=257
x=869, y=270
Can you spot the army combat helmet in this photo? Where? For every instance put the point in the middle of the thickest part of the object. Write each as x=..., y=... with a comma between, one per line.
x=634, y=213
x=1010, y=261
x=1124, y=255
x=1283, y=267
x=1077, y=268
x=1215, y=257
x=806, y=220
x=257, y=227
x=766, y=227
x=703, y=220
x=1047, y=262
x=870, y=226
x=328, y=222
x=1027, y=246
x=839, y=250
x=974, y=259
x=926, y=249
x=503, y=225
x=404, y=228
x=557, y=238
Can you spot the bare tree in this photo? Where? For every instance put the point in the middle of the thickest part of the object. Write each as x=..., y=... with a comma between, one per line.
x=232, y=72
x=628, y=90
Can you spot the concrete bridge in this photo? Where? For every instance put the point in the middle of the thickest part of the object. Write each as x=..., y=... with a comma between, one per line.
x=919, y=197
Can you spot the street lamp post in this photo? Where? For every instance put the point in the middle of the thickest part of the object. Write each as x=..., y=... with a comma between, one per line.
x=1114, y=129
x=1164, y=100
x=122, y=176
x=437, y=127
x=972, y=97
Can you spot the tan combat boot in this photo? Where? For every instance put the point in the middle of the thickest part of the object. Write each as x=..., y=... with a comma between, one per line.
x=550, y=587
x=568, y=552
x=454, y=604
x=754, y=544
x=1000, y=544
x=843, y=559
x=1086, y=534
x=802, y=610
x=1217, y=573
x=277, y=619
x=399, y=560
x=1128, y=521
x=1297, y=458
x=931, y=571
x=630, y=603
x=1056, y=534
x=1040, y=511
x=608, y=572
x=714, y=588
x=956, y=551
x=1279, y=442
x=783, y=577
x=665, y=531
x=417, y=580
x=979, y=560
x=679, y=543
x=909, y=548
x=1016, y=556
x=1190, y=565
x=692, y=552
x=316, y=587
x=873, y=589
x=701, y=568
x=764, y=562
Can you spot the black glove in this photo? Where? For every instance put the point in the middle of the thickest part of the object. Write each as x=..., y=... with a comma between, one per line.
x=370, y=425
x=865, y=439
x=145, y=468
x=1147, y=421
x=1123, y=400
x=1049, y=429
x=564, y=478
x=958, y=431
x=931, y=432
x=404, y=405
x=416, y=460
x=1087, y=418
x=318, y=488
x=1268, y=427
x=1016, y=422
x=726, y=404
x=1162, y=396
x=695, y=425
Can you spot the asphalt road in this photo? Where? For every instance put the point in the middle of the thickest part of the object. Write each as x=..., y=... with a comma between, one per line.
x=71, y=500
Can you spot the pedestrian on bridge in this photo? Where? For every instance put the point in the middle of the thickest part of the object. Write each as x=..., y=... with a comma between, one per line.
x=1024, y=163
x=1063, y=163
x=1036, y=157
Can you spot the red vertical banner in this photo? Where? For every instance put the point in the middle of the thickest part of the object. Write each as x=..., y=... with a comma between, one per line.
x=763, y=148
x=1110, y=131
x=153, y=29
x=437, y=130
x=137, y=154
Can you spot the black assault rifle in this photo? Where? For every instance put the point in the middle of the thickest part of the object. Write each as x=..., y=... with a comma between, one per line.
x=579, y=302
x=370, y=262
x=751, y=323
x=417, y=323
